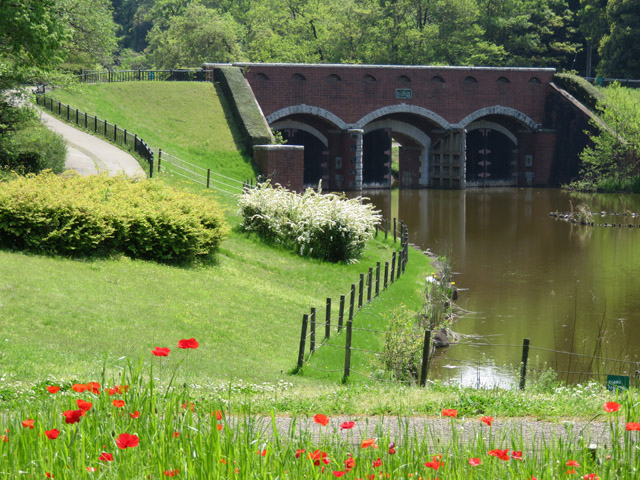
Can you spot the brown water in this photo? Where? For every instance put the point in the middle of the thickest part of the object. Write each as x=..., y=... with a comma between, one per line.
x=526, y=275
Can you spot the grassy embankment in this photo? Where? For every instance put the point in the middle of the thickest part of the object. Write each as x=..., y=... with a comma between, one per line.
x=64, y=319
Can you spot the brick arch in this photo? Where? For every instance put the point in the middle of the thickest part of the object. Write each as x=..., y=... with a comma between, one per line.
x=498, y=110
x=493, y=126
x=403, y=108
x=307, y=110
x=410, y=131
x=284, y=124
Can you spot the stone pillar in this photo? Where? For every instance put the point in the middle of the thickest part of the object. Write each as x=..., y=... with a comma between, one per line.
x=283, y=164
x=356, y=138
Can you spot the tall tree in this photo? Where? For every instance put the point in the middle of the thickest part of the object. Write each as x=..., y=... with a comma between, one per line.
x=620, y=49
x=198, y=35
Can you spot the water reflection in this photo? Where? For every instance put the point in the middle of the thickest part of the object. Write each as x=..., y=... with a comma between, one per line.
x=564, y=286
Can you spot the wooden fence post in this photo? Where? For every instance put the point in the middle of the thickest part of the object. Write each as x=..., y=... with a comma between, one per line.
x=125, y=144
x=105, y=128
x=151, y=166
x=377, y=279
x=393, y=266
x=341, y=313
x=523, y=363
x=386, y=274
x=360, y=290
x=425, y=357
x=369, y=284
x=347, y=352
x=115, y=133
x=312, y=340
x=352, y=302
x=68, y=113
x=327, y=317
x=77, y=117
x=208, y=177
x=95, y=124
x=85, y=120
x=394, y=230
x=303, y=338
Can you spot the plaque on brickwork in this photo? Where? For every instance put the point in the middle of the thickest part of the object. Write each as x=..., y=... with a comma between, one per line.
x=404, y=93
x=617, y=382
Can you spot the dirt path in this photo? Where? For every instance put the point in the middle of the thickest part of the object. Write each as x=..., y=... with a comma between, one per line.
x=89, y=155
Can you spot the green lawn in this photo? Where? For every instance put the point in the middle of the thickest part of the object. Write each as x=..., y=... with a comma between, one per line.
x=185, y=119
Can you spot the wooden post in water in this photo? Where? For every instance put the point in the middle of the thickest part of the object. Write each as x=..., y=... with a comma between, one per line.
x=523, y=363
x=425, y=358
x=360, y=290
x=327, y=325
x=312, y=340
x=303, y=338
x=341, y=313
x=377, y=279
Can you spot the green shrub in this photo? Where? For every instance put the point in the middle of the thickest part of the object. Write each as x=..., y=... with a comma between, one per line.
x=580, y=88
x=26, y=146
x=104, y=215
x=244, y=104
x=330, y=227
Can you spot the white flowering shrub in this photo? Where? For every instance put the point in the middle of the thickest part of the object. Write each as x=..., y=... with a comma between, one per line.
x=326, y=226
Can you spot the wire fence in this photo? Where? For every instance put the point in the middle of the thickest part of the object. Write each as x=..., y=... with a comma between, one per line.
x=169, y=164
x=568, y=367
x=110, y=131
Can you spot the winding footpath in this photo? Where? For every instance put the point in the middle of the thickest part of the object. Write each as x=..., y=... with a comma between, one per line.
x=90, y=155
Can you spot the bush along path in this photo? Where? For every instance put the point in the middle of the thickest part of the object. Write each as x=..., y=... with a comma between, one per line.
x=89, y=155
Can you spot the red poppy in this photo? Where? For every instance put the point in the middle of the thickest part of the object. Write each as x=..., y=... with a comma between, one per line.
x=218, y=414
x=118, y=403
x=135, y=414
x=4, y=438
x=91, y=469
x=339, y=474
x=223, y=460
x=516, y=455
x=474, y=462
x=49, y=475
x=171, y=473
x=53, y=389
x=632, y=426
x=189, y=404
x=319, y=456
x=572, y=463
x=449, y=412
x=126, y=440
x=347, y=425
x=321, y=419
x=611, y=407
x=161, y=352
x=299, y=452
x=501, y=454
x=377, y=463
x=188, y=343
x=93, y=387
x=73, y=416
x=175, y=434
x=350, y=463
x=573, y=470
x=262, y=452
x=28, y=423
x=591, y=476
x=392, y=448
x=106, y=457
x=84, y=406
x=435, y=463
x=52, y=434
x=219, y=427
x=487, y=420
x=368, y=442
x=79, y=387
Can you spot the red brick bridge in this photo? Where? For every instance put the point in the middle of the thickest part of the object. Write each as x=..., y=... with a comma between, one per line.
x=455, y=126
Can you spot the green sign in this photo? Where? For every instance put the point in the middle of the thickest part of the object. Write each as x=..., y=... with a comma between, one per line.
x=617, y=382
x=404, y=93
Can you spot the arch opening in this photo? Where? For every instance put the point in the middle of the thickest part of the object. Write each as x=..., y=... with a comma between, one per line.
x=315, y=161
x=491, y=157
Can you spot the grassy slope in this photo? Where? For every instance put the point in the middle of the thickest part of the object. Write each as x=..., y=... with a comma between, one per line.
x=186, y=119
x=65, y=317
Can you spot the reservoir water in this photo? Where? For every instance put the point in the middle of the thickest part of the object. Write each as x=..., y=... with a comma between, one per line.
x=523, y=274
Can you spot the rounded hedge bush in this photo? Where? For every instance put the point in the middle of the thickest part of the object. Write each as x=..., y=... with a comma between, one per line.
x=101, y=215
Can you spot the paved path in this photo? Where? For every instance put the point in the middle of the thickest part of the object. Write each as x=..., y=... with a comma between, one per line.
x=89, y=155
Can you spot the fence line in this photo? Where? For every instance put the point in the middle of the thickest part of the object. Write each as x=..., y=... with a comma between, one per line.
x=365, y=282
x=92, y=123
x=172, y=75
x=168, y=163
